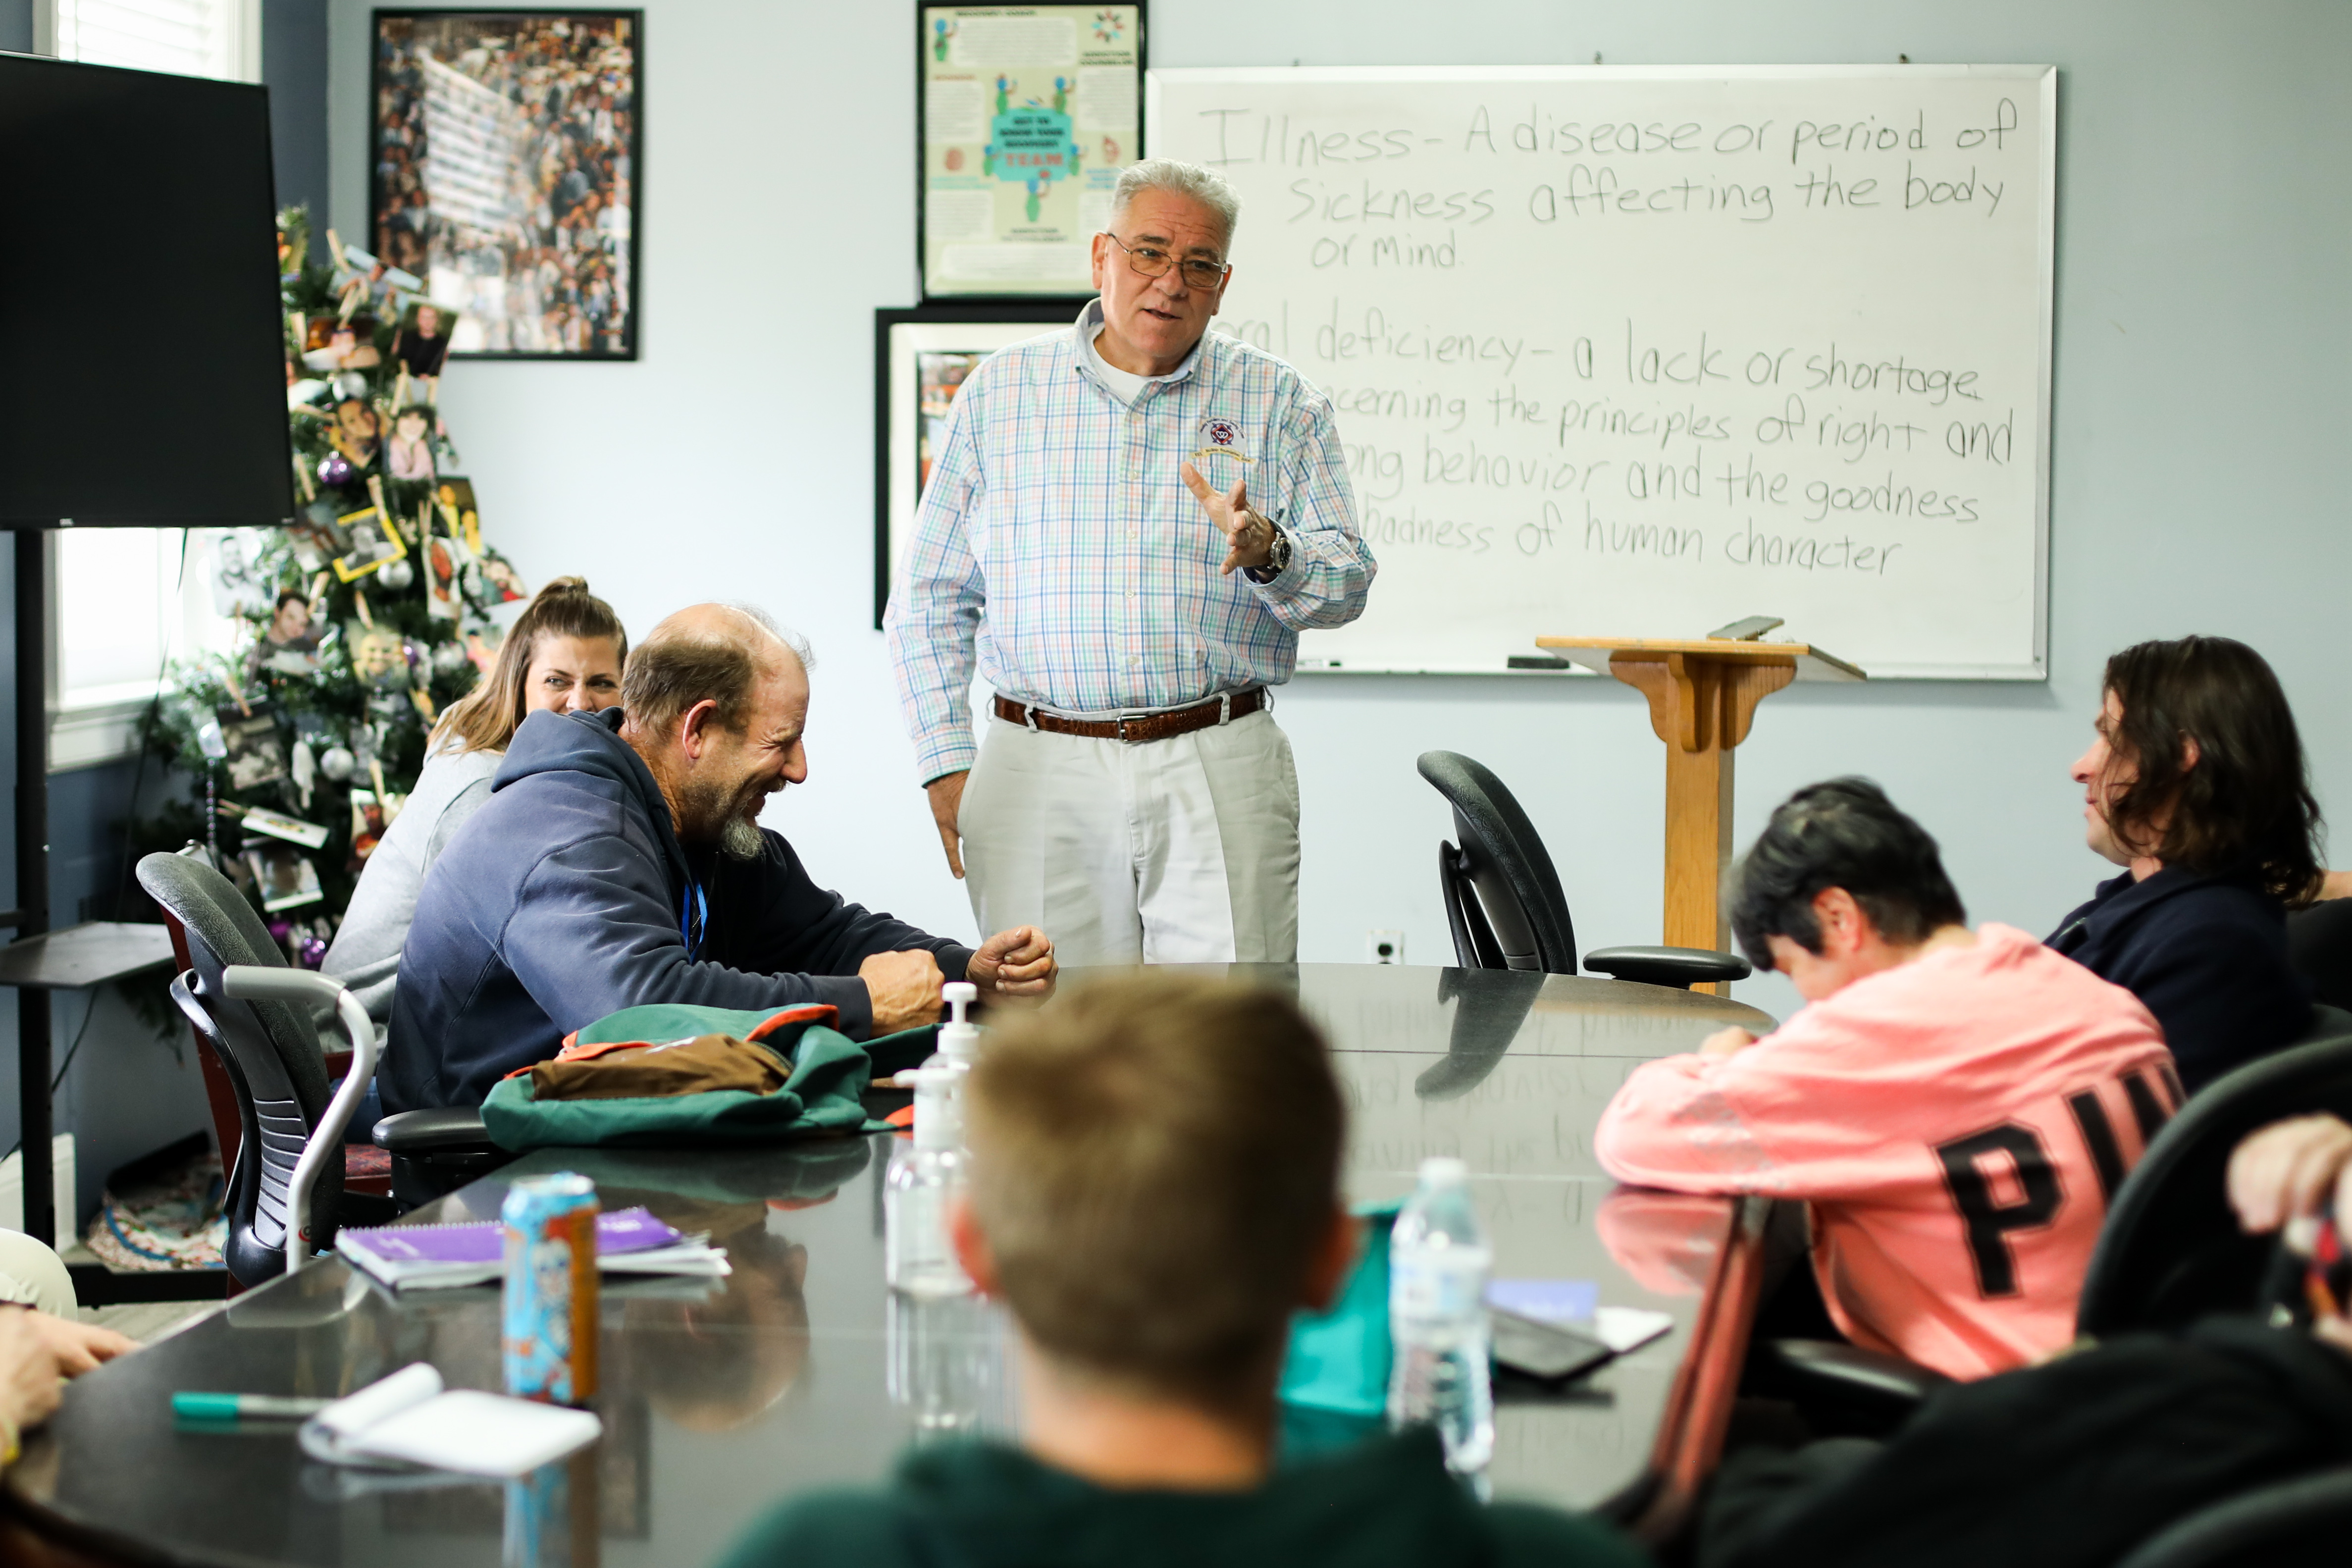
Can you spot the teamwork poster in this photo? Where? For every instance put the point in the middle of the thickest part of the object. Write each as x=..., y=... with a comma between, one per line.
x=1028, y=114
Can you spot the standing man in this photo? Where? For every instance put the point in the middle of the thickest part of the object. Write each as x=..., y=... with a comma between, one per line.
x=1148, y=517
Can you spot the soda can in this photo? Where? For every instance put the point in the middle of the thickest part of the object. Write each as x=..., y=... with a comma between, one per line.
x=550, y=1318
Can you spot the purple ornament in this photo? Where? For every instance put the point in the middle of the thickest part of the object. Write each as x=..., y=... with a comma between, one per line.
x=314, y=951
x=334, y=468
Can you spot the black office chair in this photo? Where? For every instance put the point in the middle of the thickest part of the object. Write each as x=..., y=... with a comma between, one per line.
x=2169, y=1252
x=273, y=1055
x=274, y=1060
x=2304, y=1520
x=1503, y=896
x=2319, y=946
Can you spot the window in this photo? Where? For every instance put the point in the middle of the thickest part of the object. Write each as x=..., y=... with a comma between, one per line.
x=122, y=603
x=189, y=37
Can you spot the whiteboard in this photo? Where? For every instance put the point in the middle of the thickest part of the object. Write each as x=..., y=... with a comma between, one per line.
x=1641, y=350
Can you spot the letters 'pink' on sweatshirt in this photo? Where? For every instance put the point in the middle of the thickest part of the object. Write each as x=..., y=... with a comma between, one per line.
x=1957, y=1125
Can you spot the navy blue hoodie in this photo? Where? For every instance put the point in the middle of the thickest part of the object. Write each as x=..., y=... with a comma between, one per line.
x=565, y=898
x=2206, y=954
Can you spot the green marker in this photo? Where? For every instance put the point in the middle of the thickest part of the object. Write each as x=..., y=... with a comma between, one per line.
x=244, y=1407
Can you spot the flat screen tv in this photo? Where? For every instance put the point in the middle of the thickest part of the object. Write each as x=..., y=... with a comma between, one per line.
x=142, y=354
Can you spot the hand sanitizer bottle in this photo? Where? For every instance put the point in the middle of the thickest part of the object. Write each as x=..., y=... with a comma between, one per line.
x=923, y=1175
x=959, y=1038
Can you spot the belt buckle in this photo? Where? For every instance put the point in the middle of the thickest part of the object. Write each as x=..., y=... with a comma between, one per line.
x=1124, y=738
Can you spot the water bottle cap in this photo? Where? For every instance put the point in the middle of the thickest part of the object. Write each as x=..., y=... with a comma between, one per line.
x=1444, y=1170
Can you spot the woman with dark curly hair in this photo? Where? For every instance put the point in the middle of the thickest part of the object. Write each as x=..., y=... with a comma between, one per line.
x=2196, y=785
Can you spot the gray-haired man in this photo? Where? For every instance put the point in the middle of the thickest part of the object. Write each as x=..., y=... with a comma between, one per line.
x=1149, y=516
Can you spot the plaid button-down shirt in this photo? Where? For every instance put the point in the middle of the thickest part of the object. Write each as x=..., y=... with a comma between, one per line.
x=1060, y=510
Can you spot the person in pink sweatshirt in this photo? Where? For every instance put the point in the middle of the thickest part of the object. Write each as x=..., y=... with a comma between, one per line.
x=1956, y=1107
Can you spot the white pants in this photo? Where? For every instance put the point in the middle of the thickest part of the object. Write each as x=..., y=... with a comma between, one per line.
x=1176, y=851
x=31, y=1275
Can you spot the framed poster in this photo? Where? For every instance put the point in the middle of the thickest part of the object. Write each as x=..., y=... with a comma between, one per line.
x=920, y=360
x=1026, y=115
x=506, y=149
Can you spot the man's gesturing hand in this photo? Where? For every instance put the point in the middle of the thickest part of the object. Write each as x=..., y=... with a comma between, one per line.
x=1249, y=538
x=1016, y=962
x=905, y=987
x=947, y=799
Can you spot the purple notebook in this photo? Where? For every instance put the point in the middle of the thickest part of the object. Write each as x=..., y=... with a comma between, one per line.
x=484, y=1241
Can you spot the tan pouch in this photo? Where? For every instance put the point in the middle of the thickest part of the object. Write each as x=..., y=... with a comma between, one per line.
x=660, y=1069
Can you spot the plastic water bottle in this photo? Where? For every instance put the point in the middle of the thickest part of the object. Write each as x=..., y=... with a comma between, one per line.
x=918, y=1258
x=1438, y=1263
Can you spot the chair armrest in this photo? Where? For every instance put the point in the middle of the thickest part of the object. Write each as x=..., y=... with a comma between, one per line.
x=1667, y=965
x=427, y=1131
x=1811, y=1370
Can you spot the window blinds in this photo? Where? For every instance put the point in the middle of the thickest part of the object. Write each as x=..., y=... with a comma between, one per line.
x=188, y=38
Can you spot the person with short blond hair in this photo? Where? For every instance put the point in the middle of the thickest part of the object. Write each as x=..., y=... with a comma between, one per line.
x=621, y=861
x=1155, y=1190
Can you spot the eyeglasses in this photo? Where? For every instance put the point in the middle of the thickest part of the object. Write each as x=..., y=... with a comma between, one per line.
x=1150, y=262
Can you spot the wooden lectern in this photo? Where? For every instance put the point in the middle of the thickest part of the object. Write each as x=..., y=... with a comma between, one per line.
x=1702, y=695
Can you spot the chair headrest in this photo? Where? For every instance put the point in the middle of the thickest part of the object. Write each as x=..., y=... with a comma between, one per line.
x=210, y=907
x=1485, y=811
x=222, y=929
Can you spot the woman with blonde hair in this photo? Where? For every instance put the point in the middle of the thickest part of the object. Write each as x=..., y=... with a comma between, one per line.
x=564, y=655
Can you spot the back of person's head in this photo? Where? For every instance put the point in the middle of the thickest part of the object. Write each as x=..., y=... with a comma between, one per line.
x=1845, y=834
x=1155, y=1159
x=484, y=719
x=2246, y=802
x=705, y=653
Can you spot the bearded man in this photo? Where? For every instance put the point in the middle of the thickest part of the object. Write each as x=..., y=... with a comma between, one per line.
x=620, y=861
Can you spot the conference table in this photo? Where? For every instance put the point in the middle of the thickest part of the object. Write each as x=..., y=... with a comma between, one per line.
x=801, y=1370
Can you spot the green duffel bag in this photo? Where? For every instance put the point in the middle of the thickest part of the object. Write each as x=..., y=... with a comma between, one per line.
x=823, y=1097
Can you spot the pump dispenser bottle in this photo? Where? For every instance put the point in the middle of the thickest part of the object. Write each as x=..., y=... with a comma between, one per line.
x=924, y=1174
x=959, y=1038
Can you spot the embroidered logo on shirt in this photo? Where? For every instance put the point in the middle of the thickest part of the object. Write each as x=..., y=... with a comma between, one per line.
x=1220, y=439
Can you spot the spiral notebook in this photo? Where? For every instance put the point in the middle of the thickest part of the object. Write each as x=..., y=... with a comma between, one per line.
x=432, y=1257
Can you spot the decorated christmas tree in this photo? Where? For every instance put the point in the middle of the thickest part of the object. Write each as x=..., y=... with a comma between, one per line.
x=358, y=625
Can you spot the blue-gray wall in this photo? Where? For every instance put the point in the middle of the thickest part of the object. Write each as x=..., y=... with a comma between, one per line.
x=17, y=26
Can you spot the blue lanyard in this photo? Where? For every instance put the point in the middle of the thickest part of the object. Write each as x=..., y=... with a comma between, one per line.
x=693, y=919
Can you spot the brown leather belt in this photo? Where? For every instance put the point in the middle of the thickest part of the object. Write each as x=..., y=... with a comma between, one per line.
x=1142, y=727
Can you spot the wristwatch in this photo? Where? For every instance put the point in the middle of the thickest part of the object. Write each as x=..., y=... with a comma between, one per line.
x=1278, y=558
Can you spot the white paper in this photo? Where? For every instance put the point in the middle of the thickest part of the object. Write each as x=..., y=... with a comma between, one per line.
x=1622, y=1329
x=955, y=216
x=1106, y=98
x=409, y=1417
x=1014, y=41
x=387, y=1396
x=480, y=1434
x=955, y=111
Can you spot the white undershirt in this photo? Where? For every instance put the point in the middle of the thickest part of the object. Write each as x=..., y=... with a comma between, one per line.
x=1124, y=385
